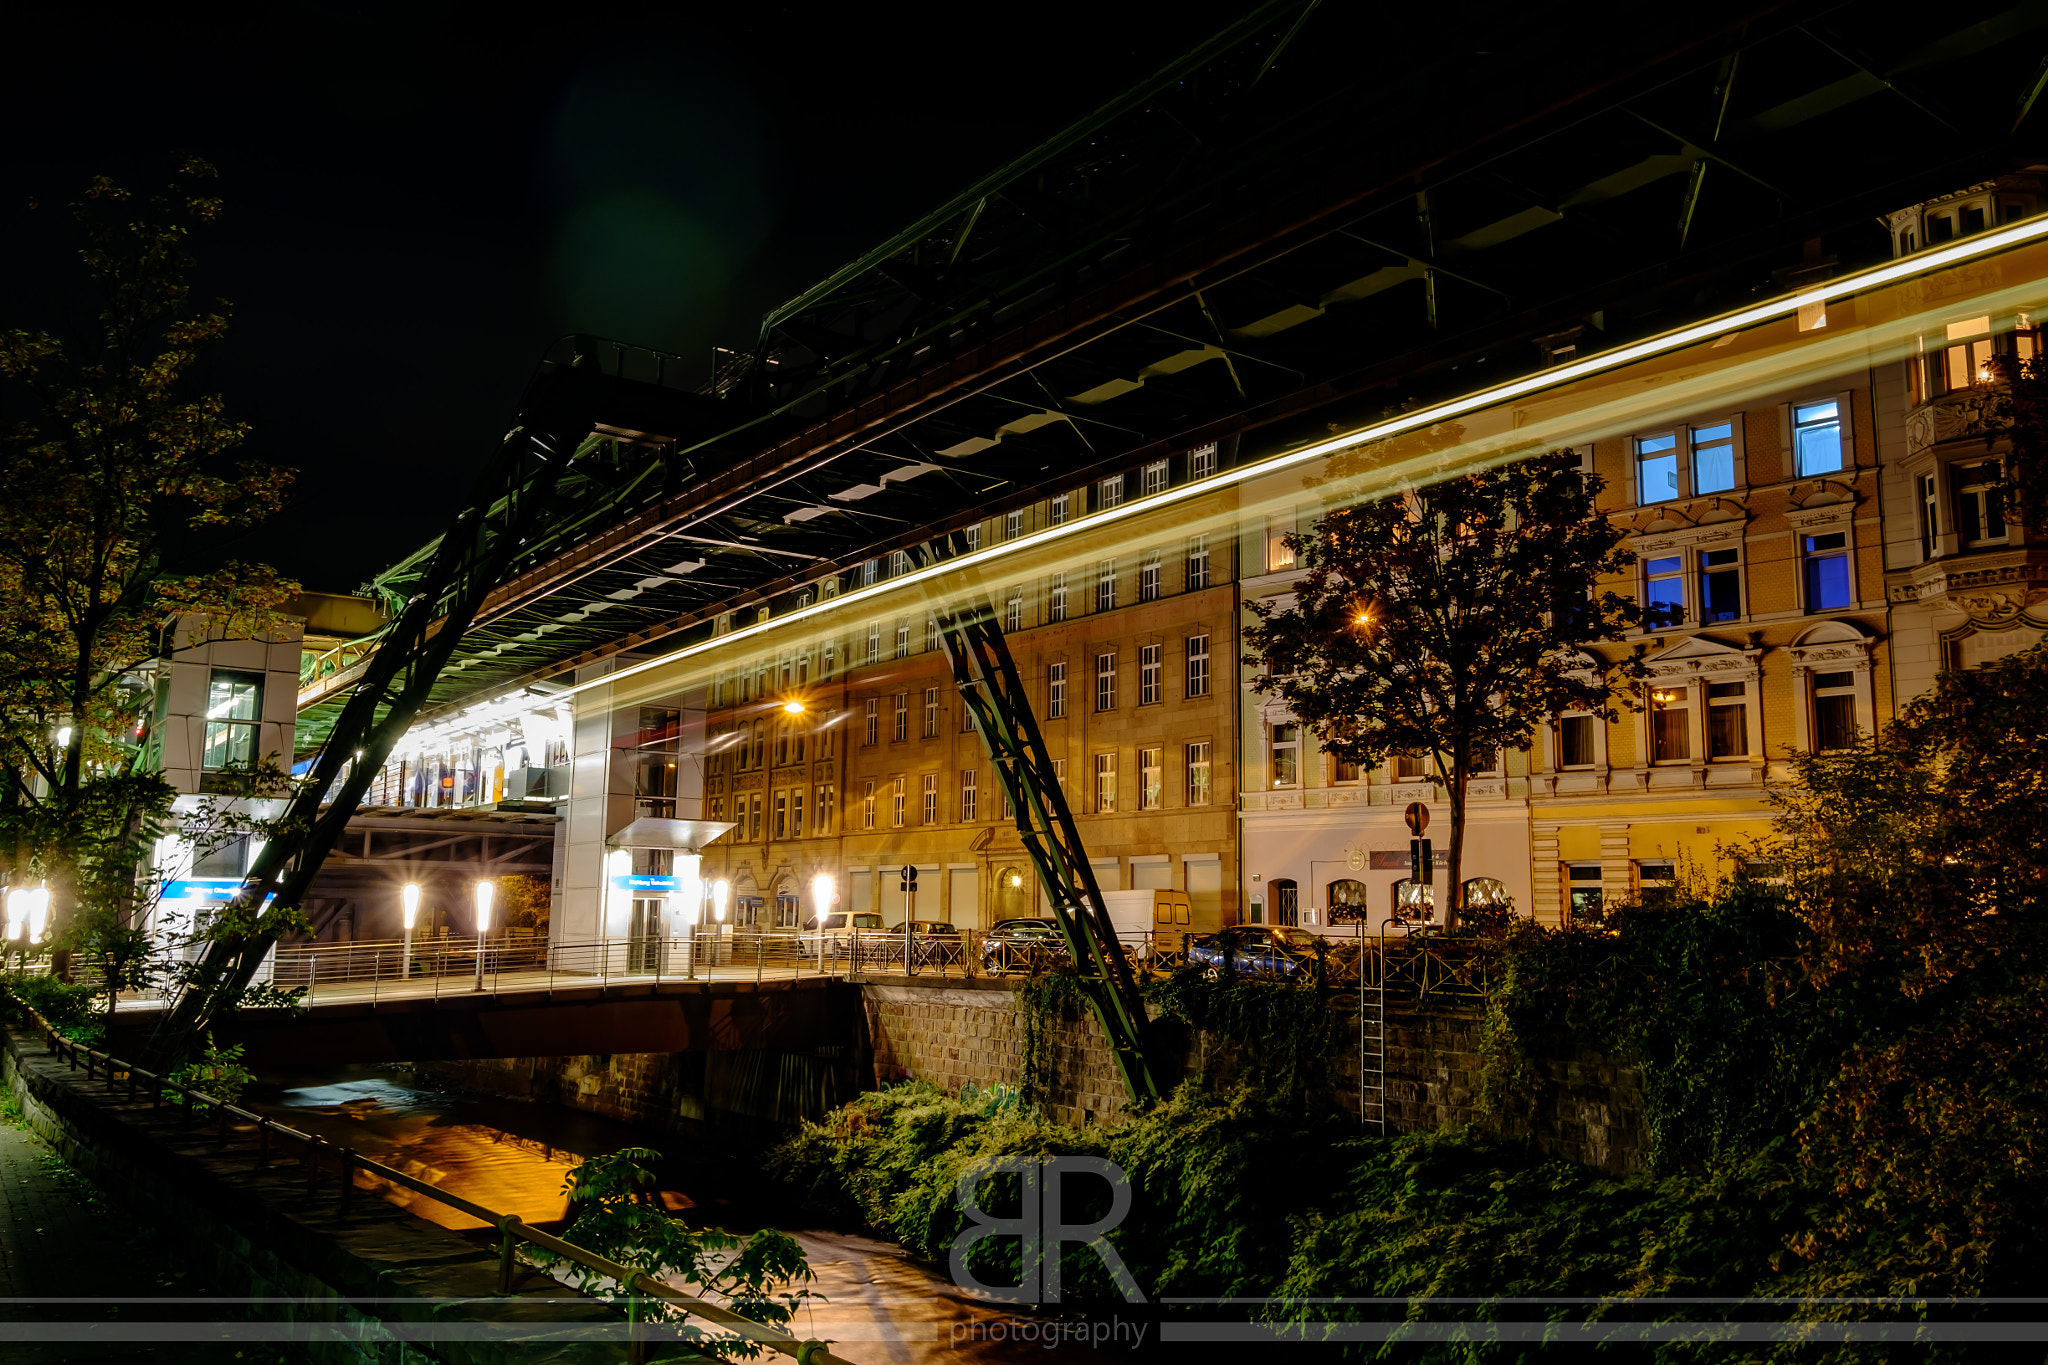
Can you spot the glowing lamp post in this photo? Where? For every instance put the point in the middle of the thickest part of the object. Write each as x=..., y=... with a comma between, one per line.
x=37, y=903
x=17, y=914
x=409, y=898
x=484, y=892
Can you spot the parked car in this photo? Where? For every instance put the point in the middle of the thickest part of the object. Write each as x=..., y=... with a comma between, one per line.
x=1018, y=945
x=933, y=942
x=1259, y=950
x=831, y=934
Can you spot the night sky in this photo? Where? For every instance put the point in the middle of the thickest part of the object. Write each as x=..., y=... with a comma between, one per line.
x=422, y=197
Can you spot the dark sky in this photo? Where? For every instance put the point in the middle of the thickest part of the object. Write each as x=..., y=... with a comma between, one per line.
x=421, y=196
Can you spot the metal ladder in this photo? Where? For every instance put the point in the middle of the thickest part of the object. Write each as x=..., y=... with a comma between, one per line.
x=1372, y=1035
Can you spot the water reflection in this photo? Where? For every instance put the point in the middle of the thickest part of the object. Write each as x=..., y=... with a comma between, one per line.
x=877, y=1306
x=504, y=1155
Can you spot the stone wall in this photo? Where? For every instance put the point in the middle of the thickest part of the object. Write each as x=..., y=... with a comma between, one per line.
x=667, y=1091
x=360, y=1284
x=1578, y=1105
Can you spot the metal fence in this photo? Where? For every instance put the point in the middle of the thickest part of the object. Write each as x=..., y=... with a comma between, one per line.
x=234, y=1126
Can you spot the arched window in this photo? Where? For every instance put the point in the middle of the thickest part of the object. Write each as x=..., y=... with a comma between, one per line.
x=1414, y=901
x=1488, y=893
x=1013, y=895
x=1286, y=902
x=1346, y=901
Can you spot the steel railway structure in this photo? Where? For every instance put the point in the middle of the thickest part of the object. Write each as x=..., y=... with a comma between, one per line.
x=1315, y=216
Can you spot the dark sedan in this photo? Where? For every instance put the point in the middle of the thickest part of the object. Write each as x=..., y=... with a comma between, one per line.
x=1019, y=945
x=1258, y=950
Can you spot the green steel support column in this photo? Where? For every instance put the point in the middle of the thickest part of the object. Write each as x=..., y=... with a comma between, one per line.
x=1000, y=709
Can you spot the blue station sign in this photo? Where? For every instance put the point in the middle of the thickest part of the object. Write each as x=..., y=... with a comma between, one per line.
x=648, y=883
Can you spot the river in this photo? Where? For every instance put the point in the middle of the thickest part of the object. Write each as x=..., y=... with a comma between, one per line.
x=880, y=1307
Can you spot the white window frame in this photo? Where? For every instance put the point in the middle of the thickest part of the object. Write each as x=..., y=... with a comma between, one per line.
x=1105, y=681
x=1055, y=690
x=1105, y=782
x=1151, y=667
x=1109, y=493
x=1151, y=784
x=1195, y=568
x=1201, y=773
x=970, y=795
x=1202, y=461
x=1197, y=666
x=930, y=793
x=1153, y=478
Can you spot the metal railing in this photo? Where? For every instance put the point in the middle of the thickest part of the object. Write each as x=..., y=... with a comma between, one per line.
x=317, y=1153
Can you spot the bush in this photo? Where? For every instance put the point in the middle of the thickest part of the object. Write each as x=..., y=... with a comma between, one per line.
x=62, y=1004
x=218, y=1072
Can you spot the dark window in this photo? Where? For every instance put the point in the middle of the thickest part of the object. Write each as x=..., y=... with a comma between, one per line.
x=1575, y=741
x=1973, y=221
x=1827, y=571
x=1941, y=229
x=1728, y=720
x=1834, y=711
x=1720, y=585
x=1584, y=882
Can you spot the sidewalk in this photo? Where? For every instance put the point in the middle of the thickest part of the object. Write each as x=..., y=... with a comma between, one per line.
x=60, y=1240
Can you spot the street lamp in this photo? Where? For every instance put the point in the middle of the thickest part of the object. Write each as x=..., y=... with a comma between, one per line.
x=720, y=889
x=38, y=902
x=484, y=892
x=17, y=911
x=409, y=897
x=793, y=707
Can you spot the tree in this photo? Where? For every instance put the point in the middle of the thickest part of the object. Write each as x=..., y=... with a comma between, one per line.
x=118, y=483
x=2019, y=412
x=1450, y=621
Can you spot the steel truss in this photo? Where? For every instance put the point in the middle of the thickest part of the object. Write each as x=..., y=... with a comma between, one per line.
x=999, y=707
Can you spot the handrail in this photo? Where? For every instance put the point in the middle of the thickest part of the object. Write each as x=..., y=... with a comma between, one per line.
x=805, y=1351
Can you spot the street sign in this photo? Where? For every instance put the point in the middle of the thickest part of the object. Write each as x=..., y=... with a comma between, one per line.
x=1421, y=863
x=1417, y=817
x=910, y=876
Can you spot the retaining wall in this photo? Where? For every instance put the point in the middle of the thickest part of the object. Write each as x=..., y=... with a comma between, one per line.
x=361, y=1284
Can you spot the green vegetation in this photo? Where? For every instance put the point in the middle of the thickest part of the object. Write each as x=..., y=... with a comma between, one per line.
x=1841, y=1069
x=617, y=1212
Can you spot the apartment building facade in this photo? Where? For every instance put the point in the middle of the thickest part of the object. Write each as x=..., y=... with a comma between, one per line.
x=850, y=757
x=1827, y=545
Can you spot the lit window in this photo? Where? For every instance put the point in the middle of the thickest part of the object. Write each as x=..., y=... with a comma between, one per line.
x=1110, y=493
x=1202, y=461
x=1345, y=771
x=1575, y=742
x=1980, y=504
x=234, y=709
x=896, y=803
x=1155, y=478
x=826, y=801
x=1834, y=711
x=1056, y=598
x=1198, y=774
x=1148, y=578
x=1656, y=468
x=1826, y=570
x=1105, y=682
x=1286, y=755
x=931, y=798
x=1105, y=585
x=796, y=813
x=867, y=805
x=901, y=731
x=1198, y=563
x=1150, y=793
x=1279, y=553
x=1727, y=720
x=1713, y=458
x=1670, y=728
x=1664, y=588
x=969, y=795
x=1148, y=674
x=1055, y=690
x=1198, y=665
x=1105, y=783
x=1720, y=585
x=1817, y=438
x=781, y=826
x=1013, y=612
